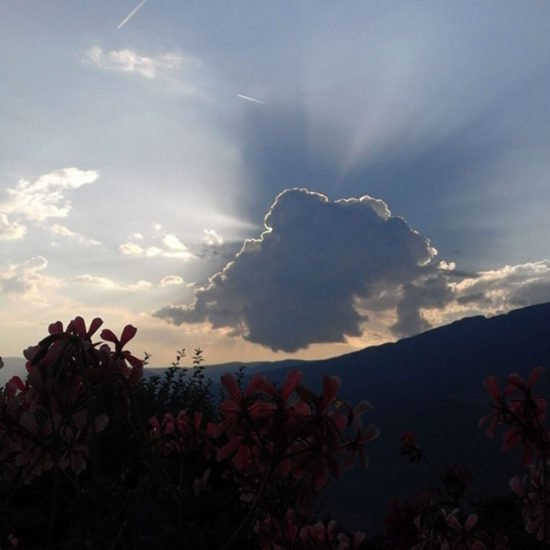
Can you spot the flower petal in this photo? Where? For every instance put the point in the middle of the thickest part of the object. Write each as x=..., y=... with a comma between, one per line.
x=109, y=335
x=128, y=333
x=293, y=379
x=229, y=448
x=230, y=384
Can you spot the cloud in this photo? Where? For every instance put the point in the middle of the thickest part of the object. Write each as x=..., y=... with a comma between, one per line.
x=131, y=249
x=427, y=292
x=499, y=290
x=171, y=280
x=168, y=246
x=64, y=231
x=297, y=284
x=105, y=283
x=11, y=231
x=173, y=243
x=141, y=285
x=444, y=295
x=211, y=238
x=45, y=197
x=102, y=282
x=26, y=279
x=129, y=61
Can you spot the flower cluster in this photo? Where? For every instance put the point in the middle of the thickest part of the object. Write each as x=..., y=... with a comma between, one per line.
x=289, y=436
x=49, y=420
x=75, y=430
x=450, y=533
x=436, y=513
x=523, y=414
x=275, y=534
x=182, y=434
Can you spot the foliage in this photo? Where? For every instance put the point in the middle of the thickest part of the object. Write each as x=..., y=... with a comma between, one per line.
x=176, y=389
x=92, y=456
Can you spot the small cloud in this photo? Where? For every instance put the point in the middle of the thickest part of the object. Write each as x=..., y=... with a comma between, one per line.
x=137, y=236
x=102, y=282
x=105, y=283
x=157, y=227
x=141, y=285
x=446, y=266
x=131, y=249
x=171, y=280
x=64, y=231
x=129, y=61
x=173, y=243
x=173, y=248
x=11, y=231
x=59, y=229
x=211, y=238
x=45, y=197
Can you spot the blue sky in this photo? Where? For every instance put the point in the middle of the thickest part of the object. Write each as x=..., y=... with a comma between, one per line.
x=137, y=156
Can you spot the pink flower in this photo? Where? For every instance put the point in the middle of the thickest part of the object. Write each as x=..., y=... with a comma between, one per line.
x=245, y=406
x=357, y=445
x=129, y=331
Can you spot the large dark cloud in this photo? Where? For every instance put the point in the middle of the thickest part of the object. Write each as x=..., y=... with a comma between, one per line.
x=299, y=282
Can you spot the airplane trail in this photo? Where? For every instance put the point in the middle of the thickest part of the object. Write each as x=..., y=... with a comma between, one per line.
x=131, y=14
x=248, y=98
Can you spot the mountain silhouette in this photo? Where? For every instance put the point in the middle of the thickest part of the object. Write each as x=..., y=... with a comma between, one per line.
x=431, y=384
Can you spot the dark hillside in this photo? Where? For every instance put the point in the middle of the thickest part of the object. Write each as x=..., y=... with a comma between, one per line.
x=432, y=384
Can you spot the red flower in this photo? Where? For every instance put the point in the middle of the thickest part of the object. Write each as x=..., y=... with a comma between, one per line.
x=127, y=334
x=357, y=445
x=243, y=406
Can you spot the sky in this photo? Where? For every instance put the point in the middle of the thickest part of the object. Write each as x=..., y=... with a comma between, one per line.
x=271, y=179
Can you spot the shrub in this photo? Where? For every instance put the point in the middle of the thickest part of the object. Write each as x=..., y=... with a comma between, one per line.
x=93, y=456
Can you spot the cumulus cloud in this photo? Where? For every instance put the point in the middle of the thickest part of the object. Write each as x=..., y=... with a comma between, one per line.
x=425, y=293
x=129, y=61
x=45, y=198
x=298, y=283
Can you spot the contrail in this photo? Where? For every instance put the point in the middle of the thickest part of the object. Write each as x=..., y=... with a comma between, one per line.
x=131, y=14
x=248, y=98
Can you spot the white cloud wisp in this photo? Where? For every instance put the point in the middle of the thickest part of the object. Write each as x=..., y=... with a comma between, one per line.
x=129, y=61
